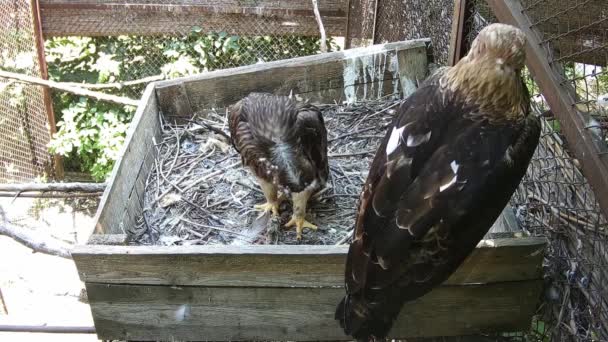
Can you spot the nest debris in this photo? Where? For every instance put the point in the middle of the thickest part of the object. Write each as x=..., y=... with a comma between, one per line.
x=198, y=193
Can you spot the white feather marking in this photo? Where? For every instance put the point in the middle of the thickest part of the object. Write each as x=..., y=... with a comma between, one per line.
x=507, y=156
x=182, y=312
x=454, y=165
x=445, y=186
x=415, y=140
x=394, y=140
x=500, y=61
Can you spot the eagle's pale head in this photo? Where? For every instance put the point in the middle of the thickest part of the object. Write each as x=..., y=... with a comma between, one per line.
x=490, y=74
x=499, y=42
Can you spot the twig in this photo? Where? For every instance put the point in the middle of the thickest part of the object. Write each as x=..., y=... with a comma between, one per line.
x=315, y=7
x=346, y=237
x=212, y=227
x=116, y=85
x=70, y=88
x=212, y=174
x=349, y=134
x=339, y=155
x=4, y=308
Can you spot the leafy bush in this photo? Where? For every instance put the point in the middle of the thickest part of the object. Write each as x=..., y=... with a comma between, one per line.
x=90, y=133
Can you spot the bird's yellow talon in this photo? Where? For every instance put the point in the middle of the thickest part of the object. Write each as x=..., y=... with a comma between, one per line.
x=266, y=207
x=300, y=224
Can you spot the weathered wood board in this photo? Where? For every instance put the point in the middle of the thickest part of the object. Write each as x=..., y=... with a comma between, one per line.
x=351, y=75
x=279, y=292
x=124, y=192
x=496, y=260
x=168, y=313
x=144, y=17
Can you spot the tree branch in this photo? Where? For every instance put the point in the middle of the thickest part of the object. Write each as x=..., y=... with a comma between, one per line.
x=38, y=241
x=116, y=85
x=315, y=7
x=70, y=88
x=52, y=194
x=61, y=187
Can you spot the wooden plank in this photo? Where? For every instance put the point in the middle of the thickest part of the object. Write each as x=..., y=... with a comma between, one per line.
x=143, y=312
x=510, y=259
x=143, y=128
x=581, y=141
x=304, y=75
x=107, y=239
x=459, y=32
x=94, y=18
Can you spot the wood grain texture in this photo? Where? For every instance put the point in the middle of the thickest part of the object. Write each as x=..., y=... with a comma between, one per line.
x=96, y=18
x=130, y=170
x=281, y=265
x=140, y=312
x=351, y=74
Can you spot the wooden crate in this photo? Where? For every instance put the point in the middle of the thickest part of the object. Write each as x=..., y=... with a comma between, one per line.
x=278, y=292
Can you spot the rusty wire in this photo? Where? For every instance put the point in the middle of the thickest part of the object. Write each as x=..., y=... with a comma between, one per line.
x=554, y=199
x=24, y=131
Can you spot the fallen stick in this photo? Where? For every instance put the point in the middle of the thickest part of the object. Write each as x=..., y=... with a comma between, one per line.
x=70, y=88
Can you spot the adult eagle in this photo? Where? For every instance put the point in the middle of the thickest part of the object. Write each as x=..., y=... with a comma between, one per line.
x=452, y=158
x=284, y=143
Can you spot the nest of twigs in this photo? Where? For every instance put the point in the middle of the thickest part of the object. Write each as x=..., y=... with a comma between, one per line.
x=199, y=193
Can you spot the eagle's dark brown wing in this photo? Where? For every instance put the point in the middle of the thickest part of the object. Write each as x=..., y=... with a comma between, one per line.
x=436, y=185
x=280, y=138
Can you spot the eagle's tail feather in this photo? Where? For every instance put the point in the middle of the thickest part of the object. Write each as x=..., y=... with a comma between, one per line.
x=364, y=322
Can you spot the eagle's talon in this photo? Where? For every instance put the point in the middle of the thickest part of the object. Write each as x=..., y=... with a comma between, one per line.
x=266, y=207
x=300, y=223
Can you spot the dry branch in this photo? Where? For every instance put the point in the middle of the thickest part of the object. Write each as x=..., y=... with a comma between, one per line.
x=59, y=187
x=116, y=85
x=70, y=88
x=52, y=194
x=315, y=7
x=38, y=240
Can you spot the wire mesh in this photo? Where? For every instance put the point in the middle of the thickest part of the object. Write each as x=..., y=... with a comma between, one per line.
x=176, y=39
x=24, y=130
x=554, y=199
x=412, y=19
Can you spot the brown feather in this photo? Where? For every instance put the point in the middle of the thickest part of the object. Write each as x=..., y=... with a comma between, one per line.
x=446, y=168
x=281, y=140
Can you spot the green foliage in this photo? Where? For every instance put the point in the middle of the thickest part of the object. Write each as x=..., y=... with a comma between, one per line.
x=90, y=133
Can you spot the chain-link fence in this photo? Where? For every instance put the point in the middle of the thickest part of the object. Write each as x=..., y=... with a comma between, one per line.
x=555, y=199
x=179, y=38
x=24, y=126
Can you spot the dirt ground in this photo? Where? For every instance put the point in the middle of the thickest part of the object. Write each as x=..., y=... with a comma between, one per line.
x=40, y=289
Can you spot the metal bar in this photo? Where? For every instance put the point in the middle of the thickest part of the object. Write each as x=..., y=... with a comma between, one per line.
x=347, y=31
x=46, y=92
x=458, y=36
x=585, y=146
x=193, y=8
x=47, y=329
x=374, y=23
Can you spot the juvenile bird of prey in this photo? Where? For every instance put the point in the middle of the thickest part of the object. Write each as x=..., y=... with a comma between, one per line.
x=284, y=143
x=451, y=159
